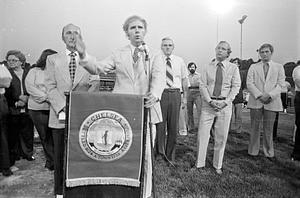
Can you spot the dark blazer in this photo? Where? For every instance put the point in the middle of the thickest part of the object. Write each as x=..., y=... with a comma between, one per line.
x=13, y=92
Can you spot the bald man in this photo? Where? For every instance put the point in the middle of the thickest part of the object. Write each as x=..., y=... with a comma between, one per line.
x=64, y=75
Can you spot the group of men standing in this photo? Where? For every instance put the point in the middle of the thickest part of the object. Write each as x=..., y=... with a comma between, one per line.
x=162, y=78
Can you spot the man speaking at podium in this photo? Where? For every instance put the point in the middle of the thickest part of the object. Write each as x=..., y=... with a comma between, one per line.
x=135, y=74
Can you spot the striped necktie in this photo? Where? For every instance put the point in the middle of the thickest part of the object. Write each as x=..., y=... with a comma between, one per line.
x=218, y=80
x=169, y=73
x=72, y=66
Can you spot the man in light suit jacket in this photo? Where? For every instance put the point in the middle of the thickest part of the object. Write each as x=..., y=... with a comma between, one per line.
x=63, y=75
x=264, y=82
x=135, y=74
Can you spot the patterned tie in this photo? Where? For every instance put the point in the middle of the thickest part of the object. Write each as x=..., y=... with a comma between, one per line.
x=72, y=66
x=169, y=73
x=135, y=55
x=218, y=80
x=266, y=69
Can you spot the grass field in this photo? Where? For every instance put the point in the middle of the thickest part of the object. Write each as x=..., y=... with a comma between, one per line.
x=243, y=176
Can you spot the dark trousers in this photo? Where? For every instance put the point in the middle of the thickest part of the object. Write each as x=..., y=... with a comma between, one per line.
x=284, y=100
x=284, y=104
x=59, y=147
x=170, y=106
x=40, y=120
x=275, y=125
x=20, y=127
x=4, y=152
x=296, y=151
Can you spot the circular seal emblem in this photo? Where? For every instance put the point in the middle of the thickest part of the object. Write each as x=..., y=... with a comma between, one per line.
x=105, y=136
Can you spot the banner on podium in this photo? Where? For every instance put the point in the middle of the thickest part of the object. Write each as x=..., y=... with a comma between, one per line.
x=104, y=139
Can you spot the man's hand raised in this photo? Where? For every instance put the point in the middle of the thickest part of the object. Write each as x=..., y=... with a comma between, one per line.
x=80, y=47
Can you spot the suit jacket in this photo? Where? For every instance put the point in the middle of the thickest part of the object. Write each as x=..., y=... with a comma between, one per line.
x=58, y=81
x=257, y=84
x=13, y=92
x=146, y=77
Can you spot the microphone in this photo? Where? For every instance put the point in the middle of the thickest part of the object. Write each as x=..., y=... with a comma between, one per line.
x=242, y=19
x=146, y=50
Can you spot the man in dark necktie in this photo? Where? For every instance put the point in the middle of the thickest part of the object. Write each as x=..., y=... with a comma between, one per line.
x=265, y=81
x=219, y=83
x=63, y=75
x=176, y=82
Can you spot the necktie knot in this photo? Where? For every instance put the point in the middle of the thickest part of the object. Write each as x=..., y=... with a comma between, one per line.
x=220, y=64
x=72, y=54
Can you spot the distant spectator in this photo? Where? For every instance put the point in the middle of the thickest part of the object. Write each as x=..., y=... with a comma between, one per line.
x=193, y=96
x=38, y=105
x=238, y=102
x=20, y=123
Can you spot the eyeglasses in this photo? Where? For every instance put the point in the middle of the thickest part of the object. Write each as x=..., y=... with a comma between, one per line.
x=13, y=60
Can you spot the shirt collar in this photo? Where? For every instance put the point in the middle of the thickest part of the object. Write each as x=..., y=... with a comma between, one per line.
x=132, y=48
x=224, y=62
x=165, y=57
x=68, y=52
x=269, y=62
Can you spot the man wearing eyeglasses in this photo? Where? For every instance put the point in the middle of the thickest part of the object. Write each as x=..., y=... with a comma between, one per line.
x=19, y=122
x=219, y=84
x=176, y=82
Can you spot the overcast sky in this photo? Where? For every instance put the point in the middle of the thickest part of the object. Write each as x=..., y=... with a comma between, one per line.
x=34, y=25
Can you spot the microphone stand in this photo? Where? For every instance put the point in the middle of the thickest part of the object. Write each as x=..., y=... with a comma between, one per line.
x=147, y=62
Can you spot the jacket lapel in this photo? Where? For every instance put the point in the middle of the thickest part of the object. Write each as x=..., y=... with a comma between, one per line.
x=79, y=73
x=271, y=69
x=261, y=73
x=128, y=62
x=63, y=67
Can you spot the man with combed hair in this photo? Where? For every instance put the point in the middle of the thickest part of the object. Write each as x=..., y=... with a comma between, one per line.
x=219, y=84
x=64, y=75
x=265, y=81
x=135, y=74
x=175, y=82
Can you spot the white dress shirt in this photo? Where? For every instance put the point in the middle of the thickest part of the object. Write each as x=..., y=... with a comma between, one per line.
x=179, y=69
x=230, y=85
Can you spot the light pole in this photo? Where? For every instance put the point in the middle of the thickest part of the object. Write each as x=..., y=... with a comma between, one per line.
x=217, y=28
x=241, y=21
